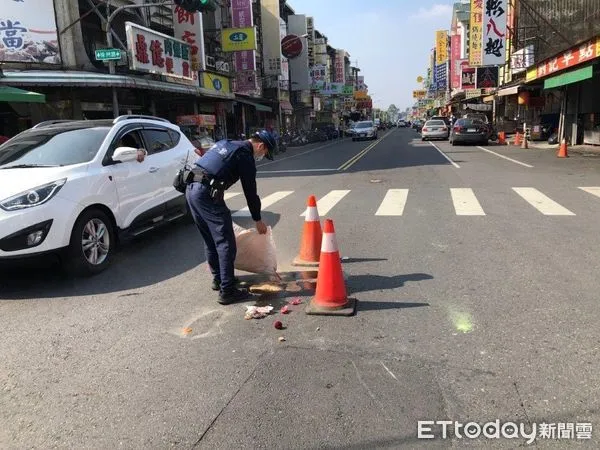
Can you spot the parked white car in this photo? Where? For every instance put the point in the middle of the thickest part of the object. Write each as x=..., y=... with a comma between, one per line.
x=73, y=188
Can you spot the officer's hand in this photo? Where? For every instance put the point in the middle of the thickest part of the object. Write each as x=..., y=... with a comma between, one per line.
x=261, y=227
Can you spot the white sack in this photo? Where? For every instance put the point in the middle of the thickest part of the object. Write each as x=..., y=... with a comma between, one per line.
x=256, y=253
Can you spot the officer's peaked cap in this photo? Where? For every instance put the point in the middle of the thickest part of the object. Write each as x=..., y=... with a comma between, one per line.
x=269, y=140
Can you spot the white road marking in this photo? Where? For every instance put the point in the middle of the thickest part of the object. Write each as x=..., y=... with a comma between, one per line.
x=297, y=171
x=229, y=195
x=504, y=157
x=393, y=203
x=444, y=155
x=591, y=190
x=265, y=203
x=465, y=202
x=389, y=371
x=542, y=203
x=325, y=204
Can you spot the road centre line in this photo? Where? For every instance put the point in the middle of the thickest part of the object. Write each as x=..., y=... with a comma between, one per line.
x=299, y=154
x=444, y=155
x=504, y=157
x=355, y=158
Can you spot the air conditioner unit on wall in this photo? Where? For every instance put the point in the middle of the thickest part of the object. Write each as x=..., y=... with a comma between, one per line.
x=210, y=61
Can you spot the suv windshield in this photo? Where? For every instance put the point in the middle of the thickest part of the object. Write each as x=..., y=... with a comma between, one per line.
x=364, y=124
x=53, y=147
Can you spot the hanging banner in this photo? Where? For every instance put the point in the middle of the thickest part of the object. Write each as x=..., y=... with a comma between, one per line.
x=441, y=76
x=476, y=33
x=494, y=33
x=244, y=61
x=441, y=46
x=468, y=78
x=187, y=27
x=455, y=59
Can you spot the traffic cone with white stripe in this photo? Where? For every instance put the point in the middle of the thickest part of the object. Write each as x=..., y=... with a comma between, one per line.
x=310, y=244
x=330, y=297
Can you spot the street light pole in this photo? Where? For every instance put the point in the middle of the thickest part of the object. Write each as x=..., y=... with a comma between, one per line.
x=111, y=63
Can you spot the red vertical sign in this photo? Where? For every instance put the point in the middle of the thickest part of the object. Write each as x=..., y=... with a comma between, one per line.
x=455, y=59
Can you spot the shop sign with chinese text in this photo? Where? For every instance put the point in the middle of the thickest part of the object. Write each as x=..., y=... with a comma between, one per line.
x=188, y=28
x=241, y=17
x=28, y=32
x=455, y=59
x=215, y=82
x=158, y=53
x=577, y=55
x=494, y=33
x=468, y=78
x=441, y=47
x=522, y=59
x=236, y=39
x=476, y=32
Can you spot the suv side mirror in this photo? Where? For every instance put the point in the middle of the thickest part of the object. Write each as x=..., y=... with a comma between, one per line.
x=125, y=154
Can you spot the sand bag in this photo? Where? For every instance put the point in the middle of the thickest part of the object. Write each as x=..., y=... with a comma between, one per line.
x=256, y=253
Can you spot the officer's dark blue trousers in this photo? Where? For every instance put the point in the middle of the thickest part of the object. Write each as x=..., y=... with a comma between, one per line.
x=213, y=219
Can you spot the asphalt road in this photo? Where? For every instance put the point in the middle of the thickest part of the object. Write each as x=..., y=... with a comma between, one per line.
x=475, y=271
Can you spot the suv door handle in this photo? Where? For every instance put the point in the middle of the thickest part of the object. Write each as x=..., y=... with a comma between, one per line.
x=153, y=169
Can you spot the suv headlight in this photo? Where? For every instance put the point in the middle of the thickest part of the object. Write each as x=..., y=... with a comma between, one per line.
x=32, y=197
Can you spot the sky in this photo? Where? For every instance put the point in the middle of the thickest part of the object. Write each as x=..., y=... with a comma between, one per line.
x=389, y=40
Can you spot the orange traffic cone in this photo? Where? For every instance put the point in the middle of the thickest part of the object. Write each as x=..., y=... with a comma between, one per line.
x=502, y=138
x=562, y=151
x=517, y=139
x=310, y=244
x=330, y=297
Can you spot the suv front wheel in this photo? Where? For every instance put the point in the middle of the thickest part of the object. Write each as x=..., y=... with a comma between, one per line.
x=92, y=244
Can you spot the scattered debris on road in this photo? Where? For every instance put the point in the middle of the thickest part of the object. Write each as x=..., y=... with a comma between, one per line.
x=257, y=312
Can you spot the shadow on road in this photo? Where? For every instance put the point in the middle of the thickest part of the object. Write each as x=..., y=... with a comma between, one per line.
x=381, y=306
x=364, y=283
x=348, y=260
x=150, y=259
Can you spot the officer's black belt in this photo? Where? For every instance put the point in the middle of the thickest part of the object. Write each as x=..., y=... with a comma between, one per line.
x=200, y=176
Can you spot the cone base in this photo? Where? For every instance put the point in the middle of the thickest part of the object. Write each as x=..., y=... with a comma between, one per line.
x=348, y=309
x=302, y=263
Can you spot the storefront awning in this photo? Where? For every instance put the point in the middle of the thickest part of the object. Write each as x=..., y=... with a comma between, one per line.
x=488, y=99
x=513, y=90
x=258, y=106
x=94, y=79
x=573, y=76
x=14, y=95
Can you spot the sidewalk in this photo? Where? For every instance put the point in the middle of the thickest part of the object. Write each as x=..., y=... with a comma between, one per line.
x=591, y=150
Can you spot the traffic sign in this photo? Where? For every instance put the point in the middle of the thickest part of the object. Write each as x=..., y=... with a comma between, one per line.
x=108, y=54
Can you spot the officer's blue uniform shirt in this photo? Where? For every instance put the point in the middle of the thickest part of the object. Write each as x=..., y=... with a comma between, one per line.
x=230, y=161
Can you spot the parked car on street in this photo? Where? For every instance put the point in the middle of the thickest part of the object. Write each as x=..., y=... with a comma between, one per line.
x=417, y=125
x=435, y=129
x=364, y=130
x=467, y=131
x=72, y=188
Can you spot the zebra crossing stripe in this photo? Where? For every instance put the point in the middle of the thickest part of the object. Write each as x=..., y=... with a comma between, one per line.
x=591, y=190
x=542, y=203
x=269, y=200
x=229, y=195
x=465, y=202
x=393, y=203
x=325, y=204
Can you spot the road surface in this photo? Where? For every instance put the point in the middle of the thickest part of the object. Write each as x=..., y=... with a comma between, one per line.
x=475, y=271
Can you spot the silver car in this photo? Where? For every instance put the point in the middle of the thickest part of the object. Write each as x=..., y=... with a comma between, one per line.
x=435, y=129
x=364, y=130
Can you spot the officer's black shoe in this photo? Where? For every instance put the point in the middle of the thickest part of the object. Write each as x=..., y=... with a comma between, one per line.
x=236, y=295
x=216, y=284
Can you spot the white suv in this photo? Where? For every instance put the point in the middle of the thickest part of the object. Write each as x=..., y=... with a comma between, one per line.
x=74, y=187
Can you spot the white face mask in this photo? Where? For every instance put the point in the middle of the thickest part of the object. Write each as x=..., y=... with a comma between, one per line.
x=258, y=158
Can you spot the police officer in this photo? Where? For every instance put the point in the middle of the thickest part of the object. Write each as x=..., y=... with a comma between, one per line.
x=219, y=169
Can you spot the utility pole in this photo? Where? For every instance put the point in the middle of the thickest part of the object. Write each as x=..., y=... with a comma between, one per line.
x=109, y=41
